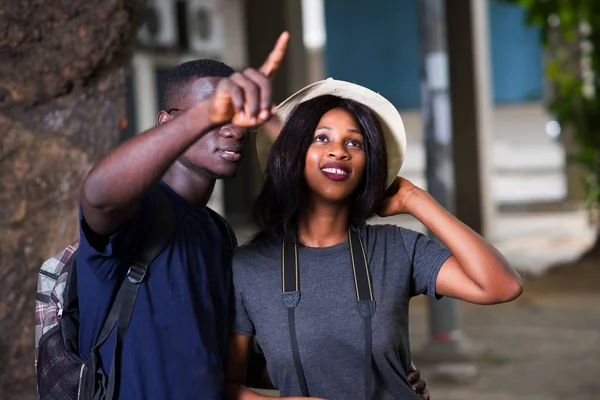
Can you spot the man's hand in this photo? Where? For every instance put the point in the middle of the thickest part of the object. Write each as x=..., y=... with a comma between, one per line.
x=417, y=384
x=244, y=99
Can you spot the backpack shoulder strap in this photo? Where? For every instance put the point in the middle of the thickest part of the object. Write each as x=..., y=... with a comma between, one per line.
x=224, y=227
x=160, y=234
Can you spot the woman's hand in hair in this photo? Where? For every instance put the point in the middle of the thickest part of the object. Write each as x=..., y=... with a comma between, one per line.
x=476, y=272
x=244, y=98
x=400, y=198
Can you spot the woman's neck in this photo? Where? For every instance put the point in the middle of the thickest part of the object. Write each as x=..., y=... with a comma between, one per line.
x=323, y=224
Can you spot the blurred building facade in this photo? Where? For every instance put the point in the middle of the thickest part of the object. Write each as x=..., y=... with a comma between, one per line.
x=379, y=46
x=375, y=44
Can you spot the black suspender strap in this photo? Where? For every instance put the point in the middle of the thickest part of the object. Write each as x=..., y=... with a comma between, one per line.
x=290, y=282
x=366, y=303
x=289, y=268
x=290, y=286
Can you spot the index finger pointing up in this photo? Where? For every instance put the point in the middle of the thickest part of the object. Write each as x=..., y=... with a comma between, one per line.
x=274, y=59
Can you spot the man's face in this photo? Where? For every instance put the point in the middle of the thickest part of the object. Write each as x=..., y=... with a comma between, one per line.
x=217, y=153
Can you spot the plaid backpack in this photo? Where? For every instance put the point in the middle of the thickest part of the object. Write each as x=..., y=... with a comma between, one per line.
x=61, y=373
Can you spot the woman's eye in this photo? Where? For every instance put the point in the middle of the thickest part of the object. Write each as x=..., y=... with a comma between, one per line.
x=320, y=138
x=355, y=143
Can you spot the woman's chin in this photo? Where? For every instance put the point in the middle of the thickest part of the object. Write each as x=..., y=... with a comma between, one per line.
x=331, y=199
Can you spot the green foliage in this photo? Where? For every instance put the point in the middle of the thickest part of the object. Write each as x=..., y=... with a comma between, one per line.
x=570, y=31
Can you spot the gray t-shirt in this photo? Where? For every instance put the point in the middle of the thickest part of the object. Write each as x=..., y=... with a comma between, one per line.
x=329, y=327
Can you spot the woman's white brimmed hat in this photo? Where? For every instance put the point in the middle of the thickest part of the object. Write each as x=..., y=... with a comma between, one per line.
x=386, y=113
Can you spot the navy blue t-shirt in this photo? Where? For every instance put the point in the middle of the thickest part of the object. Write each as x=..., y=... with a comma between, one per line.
x=176, y=344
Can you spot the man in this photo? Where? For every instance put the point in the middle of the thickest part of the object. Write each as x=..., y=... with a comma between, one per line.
x=175, y=346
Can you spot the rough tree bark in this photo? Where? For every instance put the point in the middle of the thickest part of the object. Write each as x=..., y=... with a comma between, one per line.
x=62, y=106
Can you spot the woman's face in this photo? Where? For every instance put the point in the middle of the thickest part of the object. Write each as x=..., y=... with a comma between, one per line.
x=336, y=158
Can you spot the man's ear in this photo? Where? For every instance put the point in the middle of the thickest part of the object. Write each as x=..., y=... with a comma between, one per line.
x=163, y=117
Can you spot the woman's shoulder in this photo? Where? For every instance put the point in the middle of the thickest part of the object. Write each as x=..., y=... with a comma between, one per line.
x=386, y=229
x=256, y=250
x=387, y=233
x=380, y=230
x=256, y=261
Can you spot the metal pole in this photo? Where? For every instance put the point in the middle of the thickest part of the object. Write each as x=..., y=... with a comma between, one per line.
x=445, y=342
x=472, y=112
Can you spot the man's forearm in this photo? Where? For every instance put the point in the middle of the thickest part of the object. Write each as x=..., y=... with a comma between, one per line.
x=121, y=178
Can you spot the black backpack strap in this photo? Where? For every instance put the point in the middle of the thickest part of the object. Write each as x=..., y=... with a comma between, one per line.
x=124, y=303
x=225, y=228
x=290, y=287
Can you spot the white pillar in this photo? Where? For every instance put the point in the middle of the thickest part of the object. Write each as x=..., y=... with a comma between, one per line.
x=145, y=90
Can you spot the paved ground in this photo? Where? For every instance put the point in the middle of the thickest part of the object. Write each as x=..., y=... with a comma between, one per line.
x=543, y=347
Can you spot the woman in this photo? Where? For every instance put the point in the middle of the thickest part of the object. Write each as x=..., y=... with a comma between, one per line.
x=298, y=283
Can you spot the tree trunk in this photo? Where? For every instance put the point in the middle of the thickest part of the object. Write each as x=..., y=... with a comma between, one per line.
x=62, y=107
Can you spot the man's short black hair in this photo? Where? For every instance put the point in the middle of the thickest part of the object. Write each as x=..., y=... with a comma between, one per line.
x=187, y=71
